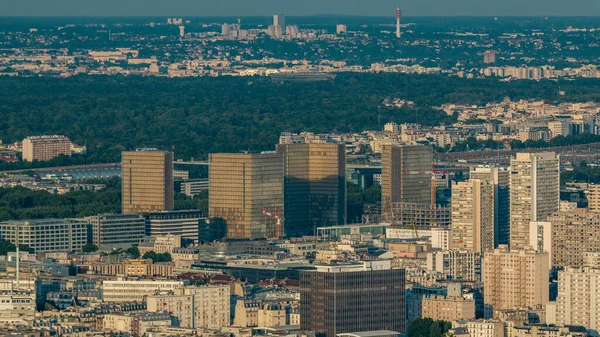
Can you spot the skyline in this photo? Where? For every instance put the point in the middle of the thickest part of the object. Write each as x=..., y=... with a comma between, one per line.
x=305, y=8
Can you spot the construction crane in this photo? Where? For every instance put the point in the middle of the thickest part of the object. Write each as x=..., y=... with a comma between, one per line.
x=279, y=225
x=414, y=224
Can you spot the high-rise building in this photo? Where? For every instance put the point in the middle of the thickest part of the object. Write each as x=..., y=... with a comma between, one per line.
x=48, y=235
x=352, y=298
x=405, y=175
x=279, y=21
x=473, y=215
x=116, y=230
x=593, y=197
x=44, y=148
x=147, y=181
x=398, y=18
x=515, y=279
x=242, y=186
x=578, y=301
x=534, y=193
x=341, y=29
x=315, y=186
x=489, y=56
x=500, y=178
x=574, y=233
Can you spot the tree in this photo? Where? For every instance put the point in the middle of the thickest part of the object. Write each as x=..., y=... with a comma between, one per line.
x=161, y=257
x=427, y=327
x=133, y=251
x=89, y=248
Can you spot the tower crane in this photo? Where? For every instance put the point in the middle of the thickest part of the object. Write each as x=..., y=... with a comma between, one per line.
x=280, y=221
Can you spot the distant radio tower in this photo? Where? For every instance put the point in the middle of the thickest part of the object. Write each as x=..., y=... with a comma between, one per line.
x=398, y=17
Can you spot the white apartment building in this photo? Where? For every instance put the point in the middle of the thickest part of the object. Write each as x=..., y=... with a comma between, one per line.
x=132, y=291
x=473, y=215
x=198, y=307
x=47, y=235
x=534, y=193
x=578, y=301
x=456, y=264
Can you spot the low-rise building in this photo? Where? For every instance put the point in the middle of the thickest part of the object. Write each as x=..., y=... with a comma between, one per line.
x=46, y=235
x=132, y=291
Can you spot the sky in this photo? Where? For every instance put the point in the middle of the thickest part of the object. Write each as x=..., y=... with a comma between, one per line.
x=243, y=8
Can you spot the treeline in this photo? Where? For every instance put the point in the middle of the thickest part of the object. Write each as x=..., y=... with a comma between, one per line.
x=197, y=116
x=427, y=327
x=20, y=203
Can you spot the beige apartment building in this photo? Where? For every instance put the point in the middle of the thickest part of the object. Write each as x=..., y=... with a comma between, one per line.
x=515, y=279
x=242, y=186
x=205, y=307
x=405, y=175
x=473, y=215
x=448, y=309
x=147, y=181
x=44, y=148
x=570, y=229
x=578, y=301
x=315, y=186
x=534, y=193
x=136, y=291
x=499, y=176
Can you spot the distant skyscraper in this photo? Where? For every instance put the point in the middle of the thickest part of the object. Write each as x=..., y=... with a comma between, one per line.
x=147, y=181
x=489, y=56
x=315, y=186
x=182, y=31
x=473, y=215
x=352, y=298
x=398, y=18
x=279, y=20
x=341, y=29
x=241, y=187
x=405, y=175
x=500, y=178
x=534, y=193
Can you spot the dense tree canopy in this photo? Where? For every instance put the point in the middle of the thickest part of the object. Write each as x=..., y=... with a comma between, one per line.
x=197, y=116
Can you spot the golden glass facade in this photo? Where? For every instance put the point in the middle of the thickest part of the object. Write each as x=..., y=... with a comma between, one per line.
x=315, y=186
x=147, y=181
x=405, y=175
x=241, y=187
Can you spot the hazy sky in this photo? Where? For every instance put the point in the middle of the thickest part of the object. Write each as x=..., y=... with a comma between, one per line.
x=297, y=7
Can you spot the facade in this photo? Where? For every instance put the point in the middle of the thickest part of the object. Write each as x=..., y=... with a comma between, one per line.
x=534, y=193
x=473, y=215
x=339, y=300
x=315, y=186
x=515, y=279
x=540, y=237
x=242, y=186
x=447, y=308
x=131, y=291
x=569, y=230
x=578, y=301
x=116, y=230
x=47, y=235
x=17, y=307
x=500, y=178
x=185, y=224
x=147, y=181
x=135, y=324
x=44, y=148
x=405, y=175
x=486, y=328
x=205, y=307
x=594, y=197
x=462, y=265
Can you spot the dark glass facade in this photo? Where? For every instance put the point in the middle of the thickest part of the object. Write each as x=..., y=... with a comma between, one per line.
x=340, y=302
